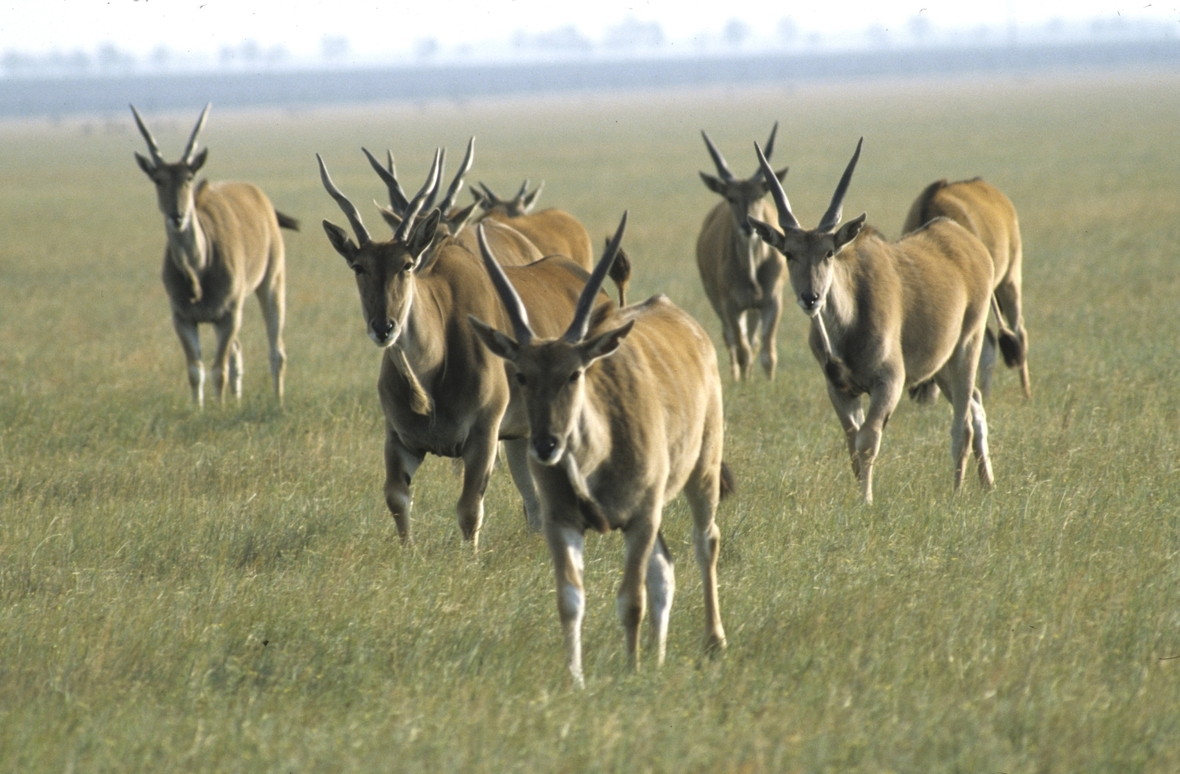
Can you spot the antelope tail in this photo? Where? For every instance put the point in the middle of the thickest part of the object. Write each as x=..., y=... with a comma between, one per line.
x=1011, y=347
x=620, y=272
x=287, y=222
x=728, y=482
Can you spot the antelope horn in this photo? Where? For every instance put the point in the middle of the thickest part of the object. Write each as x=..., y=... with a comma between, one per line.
x=457, y=184
x=785, y=218
x=524, y=189
x=354, y=217
x=415, y=206
x=769, y=146
x=442, y=166
x=153, y=148
x=831, y=218
x=718, y=159
x=192, y=140
x=397, y=197
x=512, y=303
x=770, y=141
x=581, y=321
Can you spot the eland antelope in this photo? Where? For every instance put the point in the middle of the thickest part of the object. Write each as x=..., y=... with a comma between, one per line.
x=986, y=212
x=440, y=390
x=223, y=243
x=742, y=274
x=624, y=411
x=889, y=315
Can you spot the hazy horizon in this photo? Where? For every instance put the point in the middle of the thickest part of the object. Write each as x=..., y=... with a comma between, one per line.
x=136, y=36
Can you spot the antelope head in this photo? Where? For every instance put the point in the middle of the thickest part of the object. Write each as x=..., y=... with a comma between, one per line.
x=515, y=207
x=174, y=182
x=551, y=372
x=742, y=196
x=453, y=220
x=810, y=254
x=385, y=271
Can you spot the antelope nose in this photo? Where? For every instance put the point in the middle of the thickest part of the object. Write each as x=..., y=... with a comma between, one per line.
x=809, y=299
x=544, y=446
x=382, y=329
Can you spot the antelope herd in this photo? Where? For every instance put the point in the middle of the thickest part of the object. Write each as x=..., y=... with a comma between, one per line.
x=494, y=328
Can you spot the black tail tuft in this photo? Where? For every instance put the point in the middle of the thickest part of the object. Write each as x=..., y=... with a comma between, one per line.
x=728, y=483
x=1012, y=348
x=286, y=221
x=620, y=272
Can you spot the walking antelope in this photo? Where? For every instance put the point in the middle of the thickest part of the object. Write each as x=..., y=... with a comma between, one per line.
x=223, y=243
x=440, y=390
x=624, y=411
x=986, y=212
x=742, y=275
x=889, y=315
x=510, y=244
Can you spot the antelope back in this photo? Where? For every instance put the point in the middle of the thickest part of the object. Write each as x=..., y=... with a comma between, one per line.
x=510, y=247
x=553, y=232
x=977, y=206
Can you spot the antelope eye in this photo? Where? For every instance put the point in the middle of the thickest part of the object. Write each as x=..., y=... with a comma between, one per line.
x=357, y=269
x=788, y=256
x=520, y=379
x=575, y=376
x=830, y=254
x=409, y=265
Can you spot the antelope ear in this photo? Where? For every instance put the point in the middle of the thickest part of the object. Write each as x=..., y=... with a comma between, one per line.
x=530, y=199
x=780, y=174
x=605, y=344
x=460, y=219
x=341, y=241
x=392, y=218
x=713, y=184
x=849, y=231
x=146, y=166
x=499, y=343
x=770, y=235
x=199, y=161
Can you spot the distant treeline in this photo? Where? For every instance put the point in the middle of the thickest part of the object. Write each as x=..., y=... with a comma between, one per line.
x=60, y=97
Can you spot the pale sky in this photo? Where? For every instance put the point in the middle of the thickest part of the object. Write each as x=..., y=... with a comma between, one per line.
x=374, y=28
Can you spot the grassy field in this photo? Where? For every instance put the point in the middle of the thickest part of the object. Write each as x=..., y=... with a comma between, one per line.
x=225, y=591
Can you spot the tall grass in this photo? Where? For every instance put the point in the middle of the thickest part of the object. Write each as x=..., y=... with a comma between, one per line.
x=224, y=590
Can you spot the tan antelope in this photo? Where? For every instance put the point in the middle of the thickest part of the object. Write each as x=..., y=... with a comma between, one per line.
x=553, y=231
x=624, y=411
x=890, y=315
x=742, y=275
x=440, y=390
x=986, y=212
x=508, y=242
x=223, y=243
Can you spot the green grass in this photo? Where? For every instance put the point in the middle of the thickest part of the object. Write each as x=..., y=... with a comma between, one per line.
x=225, y=591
